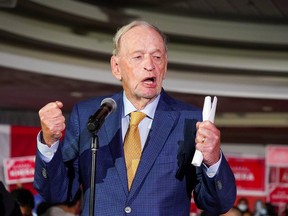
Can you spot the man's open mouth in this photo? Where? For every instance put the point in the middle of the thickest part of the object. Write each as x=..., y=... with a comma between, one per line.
x=149, y=80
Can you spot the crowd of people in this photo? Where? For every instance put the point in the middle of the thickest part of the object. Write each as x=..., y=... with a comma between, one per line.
x=21, y=202
x=259, y=208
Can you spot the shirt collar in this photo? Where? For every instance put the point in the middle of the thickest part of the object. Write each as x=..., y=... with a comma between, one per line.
x=149, y=110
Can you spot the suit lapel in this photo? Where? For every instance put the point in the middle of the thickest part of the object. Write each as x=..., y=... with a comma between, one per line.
x=114, y=135
x=163, y=123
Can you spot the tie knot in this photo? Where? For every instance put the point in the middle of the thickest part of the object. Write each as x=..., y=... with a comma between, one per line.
x=136, y=117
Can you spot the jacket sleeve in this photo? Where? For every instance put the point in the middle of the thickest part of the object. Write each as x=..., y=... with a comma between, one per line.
x=216, y=195
x=55, y=181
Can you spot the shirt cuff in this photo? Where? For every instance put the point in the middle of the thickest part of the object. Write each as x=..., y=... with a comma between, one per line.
x=46, y=153
x=212, y=170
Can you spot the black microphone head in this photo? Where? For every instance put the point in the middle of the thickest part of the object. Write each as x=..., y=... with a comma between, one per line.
x=110, y=103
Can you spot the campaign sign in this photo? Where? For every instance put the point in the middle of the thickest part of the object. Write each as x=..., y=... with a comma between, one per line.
x=277, y=155
x=277, y=163
x=278, y=195
x=249, y=172
x=19, y=169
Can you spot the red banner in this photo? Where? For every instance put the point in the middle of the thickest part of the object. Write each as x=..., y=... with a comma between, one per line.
x=249, y=172
x=277, y=155
x=19, y=169
x=277, y=164
x=278, y=195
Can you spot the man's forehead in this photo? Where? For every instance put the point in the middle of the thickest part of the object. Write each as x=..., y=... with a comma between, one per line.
x=133, y=33
x=138, y=41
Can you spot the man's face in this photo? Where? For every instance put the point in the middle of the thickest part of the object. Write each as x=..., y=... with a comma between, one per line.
x=26, y=211
x=141, y=63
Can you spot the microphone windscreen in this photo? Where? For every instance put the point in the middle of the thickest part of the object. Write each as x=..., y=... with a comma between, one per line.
x=110, y=102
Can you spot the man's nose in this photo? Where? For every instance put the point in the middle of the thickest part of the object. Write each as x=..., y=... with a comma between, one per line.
x=149, y=63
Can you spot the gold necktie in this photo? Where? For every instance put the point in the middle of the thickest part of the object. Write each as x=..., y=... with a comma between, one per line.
x=132, y=146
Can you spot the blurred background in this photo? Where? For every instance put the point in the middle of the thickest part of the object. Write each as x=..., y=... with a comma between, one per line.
x=235, y=50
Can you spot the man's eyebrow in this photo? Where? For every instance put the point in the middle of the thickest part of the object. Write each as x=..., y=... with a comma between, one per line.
x=153, y=51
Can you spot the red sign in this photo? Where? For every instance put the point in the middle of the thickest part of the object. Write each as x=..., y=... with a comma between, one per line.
x=279, y=195
x=277, y=155
x=249, y=172
x=19, y=169
x=277, y=163
x=283, y=175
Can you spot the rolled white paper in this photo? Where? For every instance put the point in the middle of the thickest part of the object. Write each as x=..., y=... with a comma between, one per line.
x=197, y=158
x=206, y=108
x=208, y=113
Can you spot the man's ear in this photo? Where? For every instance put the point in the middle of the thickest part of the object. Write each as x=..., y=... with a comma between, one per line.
x=166, y=63
x=115, y=67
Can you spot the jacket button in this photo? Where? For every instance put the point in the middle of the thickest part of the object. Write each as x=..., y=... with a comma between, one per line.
x=128, y=210
x=219, y=185
x=44, y=173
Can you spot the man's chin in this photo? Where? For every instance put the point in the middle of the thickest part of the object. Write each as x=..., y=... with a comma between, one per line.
x=150, y=97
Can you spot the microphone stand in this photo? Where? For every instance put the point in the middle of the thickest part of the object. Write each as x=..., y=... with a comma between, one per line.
x=94, y=124
x=94, y=148
x=93, y=127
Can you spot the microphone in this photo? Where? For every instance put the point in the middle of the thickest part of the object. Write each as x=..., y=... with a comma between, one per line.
x=108, y=106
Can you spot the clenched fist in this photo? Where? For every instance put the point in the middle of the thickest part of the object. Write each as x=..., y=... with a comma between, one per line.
x=52, y=122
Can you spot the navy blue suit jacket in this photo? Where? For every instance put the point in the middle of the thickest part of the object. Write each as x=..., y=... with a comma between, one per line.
x=165, y=177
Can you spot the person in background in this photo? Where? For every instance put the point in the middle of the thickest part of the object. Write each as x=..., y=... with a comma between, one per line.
x=157, y=177
x=8, y=205
x=243, y=206
x=260, y=208
x=247, y=214
x=63, y=209
x=271, y=209
x=285, y=212
x=25, y=199
x=234, y=211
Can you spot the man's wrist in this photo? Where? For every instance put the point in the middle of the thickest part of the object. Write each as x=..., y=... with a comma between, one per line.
x=47, y=141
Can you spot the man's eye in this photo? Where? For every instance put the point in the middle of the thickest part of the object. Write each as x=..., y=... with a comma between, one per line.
x=157, y=58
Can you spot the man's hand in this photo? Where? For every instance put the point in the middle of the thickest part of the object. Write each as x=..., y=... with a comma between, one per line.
x=208, y=142
x=52, y=122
